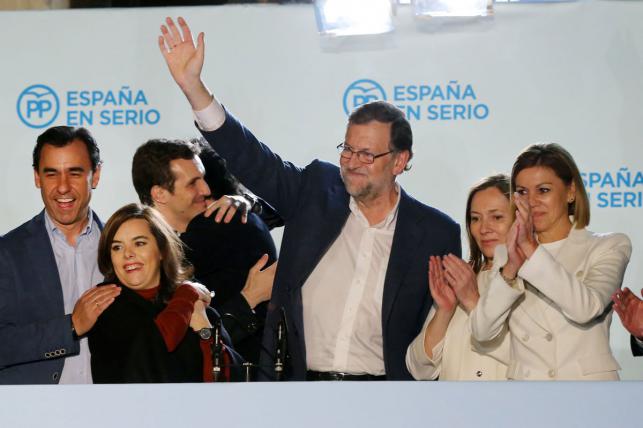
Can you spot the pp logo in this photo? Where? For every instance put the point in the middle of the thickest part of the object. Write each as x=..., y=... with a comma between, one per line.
x=38, y=106
x=361, y=92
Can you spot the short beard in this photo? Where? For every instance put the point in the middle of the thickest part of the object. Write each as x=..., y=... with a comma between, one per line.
x=361, y=194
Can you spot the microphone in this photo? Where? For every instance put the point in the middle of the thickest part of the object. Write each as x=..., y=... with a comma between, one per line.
x=281, y=345
x=216, y=352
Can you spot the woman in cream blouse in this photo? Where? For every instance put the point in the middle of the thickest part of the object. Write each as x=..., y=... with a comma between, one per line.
x=444, y=347
x=557, y=277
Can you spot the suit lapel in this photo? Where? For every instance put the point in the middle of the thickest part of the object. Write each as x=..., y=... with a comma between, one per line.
x=39, y=248
x=570, y=256
x=572, y=251
x=406, y=240
x=98, y=221
x=538, y=306
x=328, y=229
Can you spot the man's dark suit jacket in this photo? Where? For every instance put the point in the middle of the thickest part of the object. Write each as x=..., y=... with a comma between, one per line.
x=35, y=333
x=222, y=254
x=314, y=205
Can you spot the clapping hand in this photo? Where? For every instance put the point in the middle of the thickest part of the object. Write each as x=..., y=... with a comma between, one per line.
x=443, y=295
x=516, y=258
x=526, y=236
x=462, y=280
x=630, y=310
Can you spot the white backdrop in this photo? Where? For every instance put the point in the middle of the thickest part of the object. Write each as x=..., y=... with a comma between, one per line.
x=568, y=73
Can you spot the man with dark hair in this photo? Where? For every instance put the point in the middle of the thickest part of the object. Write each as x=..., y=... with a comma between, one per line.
x=352, y=281
x=171, y=176
x=48, y=266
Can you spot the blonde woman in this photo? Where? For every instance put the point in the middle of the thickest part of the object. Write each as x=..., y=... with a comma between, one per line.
x=444, y=348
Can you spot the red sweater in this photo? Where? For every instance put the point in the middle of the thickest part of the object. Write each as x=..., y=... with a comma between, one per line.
x=173, y=322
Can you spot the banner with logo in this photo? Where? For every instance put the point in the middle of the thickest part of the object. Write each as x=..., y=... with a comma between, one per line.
x=476, y=93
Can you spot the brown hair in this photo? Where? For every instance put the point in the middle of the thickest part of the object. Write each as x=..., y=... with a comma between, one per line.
x=501, y=182
x=556, y=158
x=174, y=268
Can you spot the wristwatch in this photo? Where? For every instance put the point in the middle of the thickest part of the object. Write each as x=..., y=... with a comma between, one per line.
x=255, y=205
x=205, y=333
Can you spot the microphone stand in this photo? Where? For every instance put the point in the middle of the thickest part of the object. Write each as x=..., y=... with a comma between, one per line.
x=281, y=346
x=216, y=352
x=280, y=356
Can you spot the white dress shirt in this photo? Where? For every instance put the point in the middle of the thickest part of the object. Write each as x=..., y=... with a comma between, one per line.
x=78, y=271
x=342, y=298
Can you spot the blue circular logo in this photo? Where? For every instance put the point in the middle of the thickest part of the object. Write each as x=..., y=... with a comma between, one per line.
x=38, y=106
x=361, y=92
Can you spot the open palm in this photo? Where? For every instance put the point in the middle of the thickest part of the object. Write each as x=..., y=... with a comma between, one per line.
x=183, y=58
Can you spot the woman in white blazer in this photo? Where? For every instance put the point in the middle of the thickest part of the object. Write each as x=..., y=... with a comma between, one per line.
x=444, y=348
x=557, y=277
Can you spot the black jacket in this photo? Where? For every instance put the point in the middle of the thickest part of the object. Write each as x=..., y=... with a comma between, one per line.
x=222, y=254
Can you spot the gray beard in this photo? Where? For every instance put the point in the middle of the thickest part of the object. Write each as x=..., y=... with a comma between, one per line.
x=364, y=193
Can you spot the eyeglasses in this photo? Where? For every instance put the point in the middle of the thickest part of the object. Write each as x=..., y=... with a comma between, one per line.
x=363, y=156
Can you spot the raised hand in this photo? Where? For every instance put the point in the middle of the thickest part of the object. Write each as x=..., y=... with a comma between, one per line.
x=185, y=61
x=443, y=296
x=462, y=279
x=630, y=310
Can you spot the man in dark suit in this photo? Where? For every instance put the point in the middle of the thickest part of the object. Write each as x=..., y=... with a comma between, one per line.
x=175, y=177
x=48, y=268
x=352, y=278
x=630, y=310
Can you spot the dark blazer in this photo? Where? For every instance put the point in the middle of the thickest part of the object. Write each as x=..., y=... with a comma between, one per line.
x=637, y=350
x=314, y=205
x=35, y=333
x=222, y=254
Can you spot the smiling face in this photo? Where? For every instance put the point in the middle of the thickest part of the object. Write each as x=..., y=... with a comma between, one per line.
x=548, y=197
x=135, y=255
x=65, y=179
x=189, y=196
x=368, y=181
x=490, y=219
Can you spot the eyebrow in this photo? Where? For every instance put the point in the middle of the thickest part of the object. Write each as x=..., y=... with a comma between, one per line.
x=70, y=169
x=116, y=241
x=356, y=149
x=493, y=210
x=539, y=184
